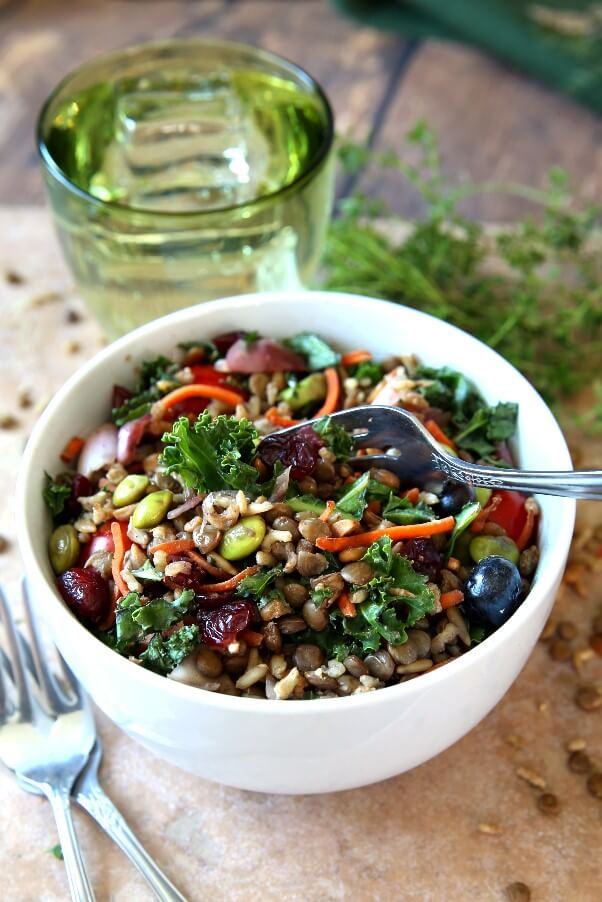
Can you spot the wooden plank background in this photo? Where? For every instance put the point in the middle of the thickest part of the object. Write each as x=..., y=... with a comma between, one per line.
x=492, y=122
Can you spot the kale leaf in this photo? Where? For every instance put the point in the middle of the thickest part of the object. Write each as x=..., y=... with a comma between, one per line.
x=163, y=655
x=56, y=493
x=159, y=369
x=368, y=369
x=255, y=585
x=402, y=512
x=487, y=426
x=318, y=353
x=212, y=454
x=338, y=439
x=134, y=620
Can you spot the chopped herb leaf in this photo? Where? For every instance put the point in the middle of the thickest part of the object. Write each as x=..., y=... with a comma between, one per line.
x=250, y=338
x=466, y=516
x=163, y=655
x=339, y=441
x=56, y=851
x=160, y=369
x=318, y=353
x=56, y=493
x=256, y=585
x=353, y=502
x=134, y=620
x=148, y=573
x=320, y=595
x=212, y=454
x=402, y=512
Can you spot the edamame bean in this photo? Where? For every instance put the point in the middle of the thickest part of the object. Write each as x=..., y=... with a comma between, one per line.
x=502, y=546
x=151, y=510
x=63, y=548
x=130, y=490
x=242, y=539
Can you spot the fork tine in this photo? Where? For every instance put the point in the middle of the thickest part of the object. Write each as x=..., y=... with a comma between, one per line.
x=24, y=701
x=56, y=700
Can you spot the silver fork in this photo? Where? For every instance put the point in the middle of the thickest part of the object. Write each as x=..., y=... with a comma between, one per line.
x=417, y=457
x=87, y=791
x=45, y=738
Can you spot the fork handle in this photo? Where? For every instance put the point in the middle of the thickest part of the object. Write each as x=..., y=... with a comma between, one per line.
x=99, y=806
x=59, y=798
x=583, y=484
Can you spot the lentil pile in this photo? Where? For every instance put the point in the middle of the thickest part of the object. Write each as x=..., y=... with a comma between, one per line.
x=278, y=570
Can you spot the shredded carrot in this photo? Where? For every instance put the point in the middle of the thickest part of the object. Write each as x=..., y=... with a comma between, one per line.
x=330, y=506
x=205, y=565
x=350, y=358
x=177, y=546
x=228, y=583
x=412, y=495
x=525, y=533
x=277, y=419
x=374, y=507
x=449, y=599
x=118, y=556
x=346, y=606
x=197, y=390
x=437, y=432
x=252, y=638
x=480, y=520
x=333, y=390
x=72, y=449
x=410, y=531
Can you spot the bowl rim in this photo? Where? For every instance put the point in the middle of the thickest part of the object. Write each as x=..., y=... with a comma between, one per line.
x=132, y=50
x=69, y=624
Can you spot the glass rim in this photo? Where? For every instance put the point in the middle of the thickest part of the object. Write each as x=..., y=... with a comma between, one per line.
x=52, y=167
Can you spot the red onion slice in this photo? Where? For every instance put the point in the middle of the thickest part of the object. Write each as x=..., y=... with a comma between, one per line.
x=185, y=506
x=129, y=437
x=99, y=450
x=280, y=486
x=263, y=356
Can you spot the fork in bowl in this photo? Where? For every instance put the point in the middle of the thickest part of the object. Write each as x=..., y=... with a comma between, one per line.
x=46, y=735
x=415, y=456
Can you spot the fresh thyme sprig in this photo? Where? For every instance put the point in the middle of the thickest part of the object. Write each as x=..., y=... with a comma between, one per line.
x=532, y=290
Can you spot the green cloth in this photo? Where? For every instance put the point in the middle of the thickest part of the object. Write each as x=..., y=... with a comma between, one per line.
x=558, y=41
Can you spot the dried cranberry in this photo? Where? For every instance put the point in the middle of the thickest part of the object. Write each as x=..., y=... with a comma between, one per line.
x=424, y=557
x=299, y=450
x=120, y=395
x=224, y=342
x=208, y=599
x=86, y=593
x=193, y=580
x=222, y=625
x=80, y=487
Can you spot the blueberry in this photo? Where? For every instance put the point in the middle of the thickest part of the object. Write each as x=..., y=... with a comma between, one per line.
x=454, y=495
x=493, y=591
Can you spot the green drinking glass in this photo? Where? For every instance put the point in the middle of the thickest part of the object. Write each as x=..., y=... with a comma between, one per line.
x=186, y=170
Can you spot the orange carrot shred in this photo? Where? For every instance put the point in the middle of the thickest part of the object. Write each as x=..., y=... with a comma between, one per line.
x=276, y=419
x=437, y=432
x=330, y=506
x=481, y=519
x=205, y=565
x=333, y=390
x=351, y=358
x=198, y=390
x=174, y=547
x=449, y=599
x=72, y=449
x=526, y=531
x=346, y=606
x=252, y=638
x=412, y=495
x=118, y=556
x=228, y=583
x=409, y=531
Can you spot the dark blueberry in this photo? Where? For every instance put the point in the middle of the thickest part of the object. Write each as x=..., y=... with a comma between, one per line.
x=454, y=495
x=86, y=593
x=493, y=591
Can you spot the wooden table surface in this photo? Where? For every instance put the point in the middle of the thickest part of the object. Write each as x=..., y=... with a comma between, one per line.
x=493, y=123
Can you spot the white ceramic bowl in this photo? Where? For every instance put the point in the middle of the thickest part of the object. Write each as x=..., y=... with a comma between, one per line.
x=292, y=746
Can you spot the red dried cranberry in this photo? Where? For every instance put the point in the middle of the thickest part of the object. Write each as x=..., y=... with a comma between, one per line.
x=193, y=580
x=208, y=599
x=298, y=450
x=120, y=395
x=224, y=342
x=80, y=488
x=222, y=625
x=86, y=593
x=424, y=557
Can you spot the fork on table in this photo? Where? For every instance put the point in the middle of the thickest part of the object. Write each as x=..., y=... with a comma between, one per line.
x=48, y=739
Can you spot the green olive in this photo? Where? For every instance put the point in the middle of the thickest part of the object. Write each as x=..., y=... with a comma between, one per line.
x=502, y=546
x=130, y=490
x=151, y=510
x=482, y=495
x=63, y=548
x=242, y=539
